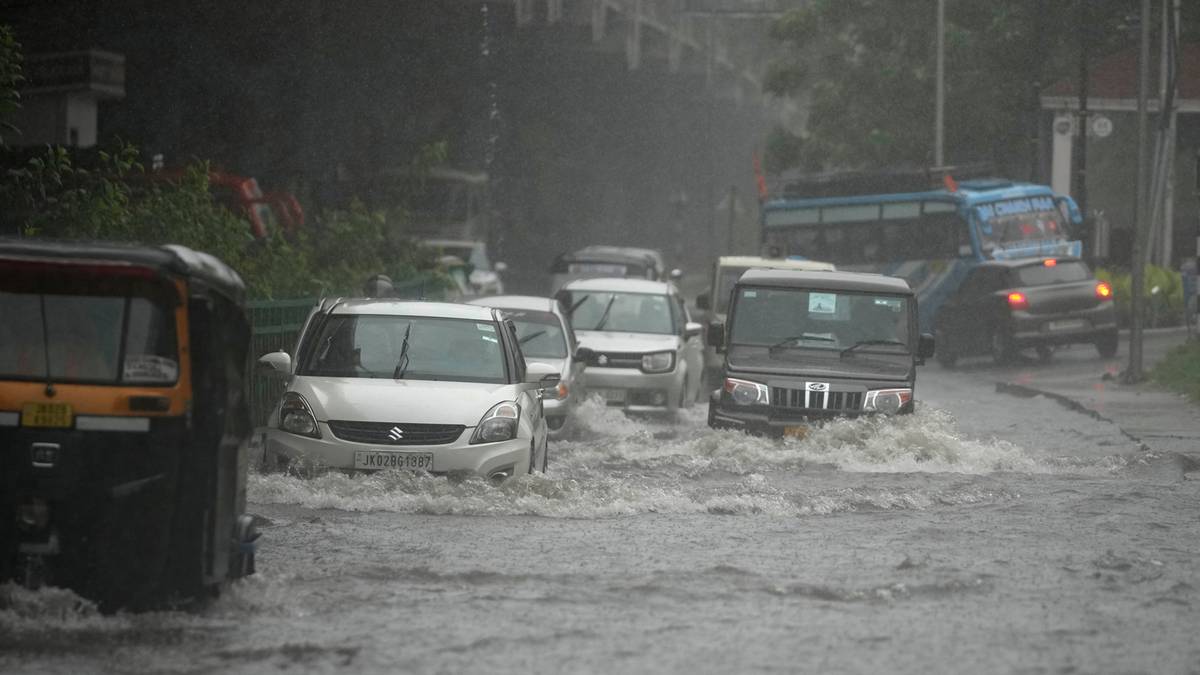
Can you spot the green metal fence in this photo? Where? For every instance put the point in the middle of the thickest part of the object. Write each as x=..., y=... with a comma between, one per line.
x=275, y=325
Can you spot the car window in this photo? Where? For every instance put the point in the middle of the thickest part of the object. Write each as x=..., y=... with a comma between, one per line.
x=540, y=334
x=1043, y=274
x=414, y=348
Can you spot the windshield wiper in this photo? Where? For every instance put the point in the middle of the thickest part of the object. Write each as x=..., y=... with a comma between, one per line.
x=864, y=343
x=535, y=334
x=402, y=362
x=796, y=338
x=604, y=316
x=575, y=306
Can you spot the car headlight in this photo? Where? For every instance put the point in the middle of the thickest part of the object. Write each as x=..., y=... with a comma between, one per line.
x=745, y=392
x=499, y=424
x=887, y=401
x=296, y=417
x=658, y=362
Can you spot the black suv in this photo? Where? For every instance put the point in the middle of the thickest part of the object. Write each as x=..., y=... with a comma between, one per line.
x=1004, y=306
x=806, y=346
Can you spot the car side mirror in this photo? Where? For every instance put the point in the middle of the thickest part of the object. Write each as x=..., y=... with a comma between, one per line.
x=275, y=364
x=500, y=267
x=703, y=301
x=543, y=375
x=925, y=347
x=716, y=336
x=584, y=354
x=692, y=329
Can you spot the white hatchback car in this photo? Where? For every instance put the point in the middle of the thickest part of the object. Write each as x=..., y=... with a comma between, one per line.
x=646, y=351
x=428, y=386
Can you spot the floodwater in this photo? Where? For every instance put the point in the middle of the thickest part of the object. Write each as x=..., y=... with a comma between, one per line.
x=985, y=533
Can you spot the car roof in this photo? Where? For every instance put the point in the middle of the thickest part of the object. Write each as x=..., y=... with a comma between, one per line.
x=620, y=285
x=1022, y=262
x=832, y=281
x=773, y=263
x=526, y=302
x=609, y=254
x=440, y=310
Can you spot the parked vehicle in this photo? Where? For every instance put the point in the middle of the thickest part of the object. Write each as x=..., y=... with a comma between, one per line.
x=425, y=386
x=1005, y=306
x=646, y=352
x=715, y=301
x=545, y=336
x=266, y=212
x=593, y=262
x=484, y=276
x=122, y=411
x=801, y=347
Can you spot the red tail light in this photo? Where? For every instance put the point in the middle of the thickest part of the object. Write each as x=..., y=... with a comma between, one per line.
x=1049, y=262
x=1017, y=300
x=1103, y=291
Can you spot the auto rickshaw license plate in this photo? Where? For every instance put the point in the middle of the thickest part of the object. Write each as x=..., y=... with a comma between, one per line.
x=378, y=459
x=48, y=415
x=799, y=431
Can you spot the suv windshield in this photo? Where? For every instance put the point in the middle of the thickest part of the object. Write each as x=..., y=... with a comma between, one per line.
x=627, y=312
x=89, y=332
x=407, y=347
x=794, y=318
x=540, y=334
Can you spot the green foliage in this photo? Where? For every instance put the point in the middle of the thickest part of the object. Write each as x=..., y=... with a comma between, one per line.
x=10, y=79
x=117, y=200
x=1163, y=307
x=1180, y=370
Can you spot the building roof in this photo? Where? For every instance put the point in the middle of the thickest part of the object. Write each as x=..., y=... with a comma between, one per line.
x=438, y=310
x=618, y=285
x=1113, y=83
x=829, y=281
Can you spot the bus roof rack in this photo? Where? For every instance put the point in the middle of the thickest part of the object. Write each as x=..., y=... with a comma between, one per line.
x=979, y=175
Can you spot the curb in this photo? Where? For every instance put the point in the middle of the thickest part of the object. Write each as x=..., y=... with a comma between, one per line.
x=1021, y=391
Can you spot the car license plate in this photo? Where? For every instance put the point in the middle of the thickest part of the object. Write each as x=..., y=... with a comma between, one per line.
x=1065, y=324
x=47, y=415
x=378, y=459
x=795, y=431
x=611, y=395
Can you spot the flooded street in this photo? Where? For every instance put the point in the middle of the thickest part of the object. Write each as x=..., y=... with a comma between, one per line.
x=986, y=533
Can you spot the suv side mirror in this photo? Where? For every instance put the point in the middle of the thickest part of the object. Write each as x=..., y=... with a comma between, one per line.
x=716, y=336
x=703, y=301
x=676, y=274
x=275, y=364
x=924, y=347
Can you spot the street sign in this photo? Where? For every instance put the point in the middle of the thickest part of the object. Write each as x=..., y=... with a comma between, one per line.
x=1101, y=126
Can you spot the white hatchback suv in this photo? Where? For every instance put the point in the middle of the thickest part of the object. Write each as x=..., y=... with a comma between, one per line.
x=646, y=354
x=428, y=386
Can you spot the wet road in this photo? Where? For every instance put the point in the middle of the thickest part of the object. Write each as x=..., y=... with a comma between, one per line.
x=986, y=533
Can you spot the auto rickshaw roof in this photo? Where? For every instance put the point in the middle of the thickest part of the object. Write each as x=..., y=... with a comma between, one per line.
x=170, y=259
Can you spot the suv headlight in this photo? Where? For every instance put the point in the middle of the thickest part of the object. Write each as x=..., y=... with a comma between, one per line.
x=658, y=362
x=887, y=401
x=499, y=424
x=295, y=416
x=745, y=392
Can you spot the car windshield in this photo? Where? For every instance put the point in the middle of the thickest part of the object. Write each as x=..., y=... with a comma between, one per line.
x=540, y=334
x=627, y=312
x=1060, y=272
x=406, y=347
x=90, y=334
x=794, y=318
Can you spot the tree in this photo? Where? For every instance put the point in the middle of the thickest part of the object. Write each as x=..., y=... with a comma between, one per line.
x=10, y=79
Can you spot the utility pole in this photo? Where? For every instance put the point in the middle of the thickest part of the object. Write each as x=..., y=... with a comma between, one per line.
x=939, y=122
x=1141, y=228
x=1081, y=144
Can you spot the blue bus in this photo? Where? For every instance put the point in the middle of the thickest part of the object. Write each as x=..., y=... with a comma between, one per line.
x=931, y=238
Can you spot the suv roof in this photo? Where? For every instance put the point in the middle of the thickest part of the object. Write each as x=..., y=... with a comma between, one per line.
x=774, y=263
x=441, y=310
x=832, y=281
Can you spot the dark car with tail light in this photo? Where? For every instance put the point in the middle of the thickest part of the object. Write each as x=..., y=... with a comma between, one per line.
x=804, y=346
x=1005, y=306
x=122, y=416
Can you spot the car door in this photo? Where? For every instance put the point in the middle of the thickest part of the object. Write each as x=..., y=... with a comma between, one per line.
x=529, y=398
x=978, y=316
x=692, y=350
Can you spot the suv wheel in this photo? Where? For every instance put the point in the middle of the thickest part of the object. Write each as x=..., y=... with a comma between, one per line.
x=1106, y=345
x=1002, y=348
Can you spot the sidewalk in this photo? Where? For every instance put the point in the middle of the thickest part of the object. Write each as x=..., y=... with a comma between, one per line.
x=1160, y=419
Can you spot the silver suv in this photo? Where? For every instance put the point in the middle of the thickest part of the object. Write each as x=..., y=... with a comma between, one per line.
x=647, y=355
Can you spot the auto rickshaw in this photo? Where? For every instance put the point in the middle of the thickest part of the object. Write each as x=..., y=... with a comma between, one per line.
x=122, y=415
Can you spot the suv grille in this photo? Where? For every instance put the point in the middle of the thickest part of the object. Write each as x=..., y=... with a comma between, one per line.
x=828, y=401
x=402, y=433
x=616, y=360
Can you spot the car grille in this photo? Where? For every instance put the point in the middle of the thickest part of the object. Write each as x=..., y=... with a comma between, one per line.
x=396, y=433
x=824, y=401
x=616, y=360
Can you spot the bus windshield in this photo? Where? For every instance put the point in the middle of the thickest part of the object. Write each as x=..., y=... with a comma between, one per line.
x=1004, y=223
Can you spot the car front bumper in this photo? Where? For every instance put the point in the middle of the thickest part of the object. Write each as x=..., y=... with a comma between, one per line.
x=484, y=459
x=638, y=389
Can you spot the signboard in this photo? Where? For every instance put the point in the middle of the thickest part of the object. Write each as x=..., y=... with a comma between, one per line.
x=94, y=70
